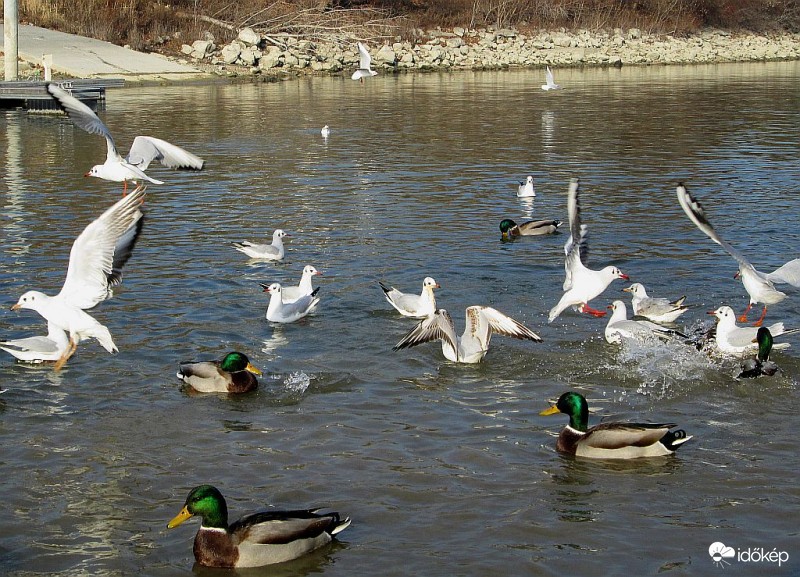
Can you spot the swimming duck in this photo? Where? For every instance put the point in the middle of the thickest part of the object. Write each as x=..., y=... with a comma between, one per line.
x=611, y=440
x=232, y=374
x=753, y=368
x=254, y=540
x=510, y=229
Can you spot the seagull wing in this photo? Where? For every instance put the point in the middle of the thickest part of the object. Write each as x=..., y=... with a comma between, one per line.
x=576, y=251
x=146, y=149
x=364, y=59
x=482, y=322
x=694, y=210
x=438, y=326
x=548, y=77
x=83, y=117
x=788, y=273
x=93, y=264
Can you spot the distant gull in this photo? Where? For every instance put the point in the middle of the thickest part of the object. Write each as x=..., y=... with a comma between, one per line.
x=274, y=251
x=550, y=82
x=364, y=62
x=95, y=266
x=581, y=284
x=473, y=344
x=525, y=189
x=326, y=131
x=144, y=150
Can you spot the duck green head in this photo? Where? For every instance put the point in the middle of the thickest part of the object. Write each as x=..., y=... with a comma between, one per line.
x=764, y=340
x=235, y=362
x=574, y=405
x=506, y=225
x=207, y=502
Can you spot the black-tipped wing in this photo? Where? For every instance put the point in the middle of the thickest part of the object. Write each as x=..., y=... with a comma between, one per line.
x=697, y=214
x=438, y=326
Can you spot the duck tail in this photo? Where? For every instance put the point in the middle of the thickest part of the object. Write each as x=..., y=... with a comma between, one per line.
x=674, y=439
x=340, y=525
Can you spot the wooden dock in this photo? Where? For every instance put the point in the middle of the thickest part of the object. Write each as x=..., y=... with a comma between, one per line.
x=32, y=95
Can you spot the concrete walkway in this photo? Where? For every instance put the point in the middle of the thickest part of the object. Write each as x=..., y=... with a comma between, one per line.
x=82, y=57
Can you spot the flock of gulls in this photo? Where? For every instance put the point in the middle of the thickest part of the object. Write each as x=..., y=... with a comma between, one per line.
x=104, y=246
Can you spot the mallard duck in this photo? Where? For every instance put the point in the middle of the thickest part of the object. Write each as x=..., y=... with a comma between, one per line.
x=232, y=374
x=254, y=540
x=611, y=440
x=510, y=229
x=760, y=365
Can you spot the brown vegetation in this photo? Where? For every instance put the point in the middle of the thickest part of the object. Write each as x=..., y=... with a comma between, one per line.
x=142, y=23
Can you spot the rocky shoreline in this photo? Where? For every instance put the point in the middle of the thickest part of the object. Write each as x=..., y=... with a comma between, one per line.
x=278, y=56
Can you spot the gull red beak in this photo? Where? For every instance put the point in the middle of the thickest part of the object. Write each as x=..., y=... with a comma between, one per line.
x=624, y=276
x=736, y=275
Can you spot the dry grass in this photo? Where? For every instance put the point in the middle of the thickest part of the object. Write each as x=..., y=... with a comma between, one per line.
x=143, y=23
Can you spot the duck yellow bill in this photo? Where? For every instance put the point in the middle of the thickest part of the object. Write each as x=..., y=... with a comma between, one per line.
x=252, y=369
x=551, y=411
x=179, y=518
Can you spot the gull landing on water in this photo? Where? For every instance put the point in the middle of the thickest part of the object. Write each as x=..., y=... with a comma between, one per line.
x=144, y=150
x=550, y=83
x=473, y=344
x=581, y=284
x=95, y=266
x=758, y=285
x=364, y=63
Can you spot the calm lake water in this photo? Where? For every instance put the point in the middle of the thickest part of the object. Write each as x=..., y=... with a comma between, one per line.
x=444, y=469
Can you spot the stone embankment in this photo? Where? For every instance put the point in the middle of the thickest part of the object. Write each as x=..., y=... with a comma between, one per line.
x=462, y=49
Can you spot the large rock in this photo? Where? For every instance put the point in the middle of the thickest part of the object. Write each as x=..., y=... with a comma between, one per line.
x=249, y=37
x=386, y=55
x=231, y=52
x=202, y=48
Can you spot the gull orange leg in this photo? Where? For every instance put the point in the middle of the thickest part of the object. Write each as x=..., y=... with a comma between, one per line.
x=124, y=188
x=71, y=347
x=743, y=316
x=585, y=308
x=761, y=318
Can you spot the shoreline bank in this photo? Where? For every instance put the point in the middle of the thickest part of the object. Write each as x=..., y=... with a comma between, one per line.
x=276, y=57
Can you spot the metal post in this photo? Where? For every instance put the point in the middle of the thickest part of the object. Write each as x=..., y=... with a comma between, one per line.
x=10, y=33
